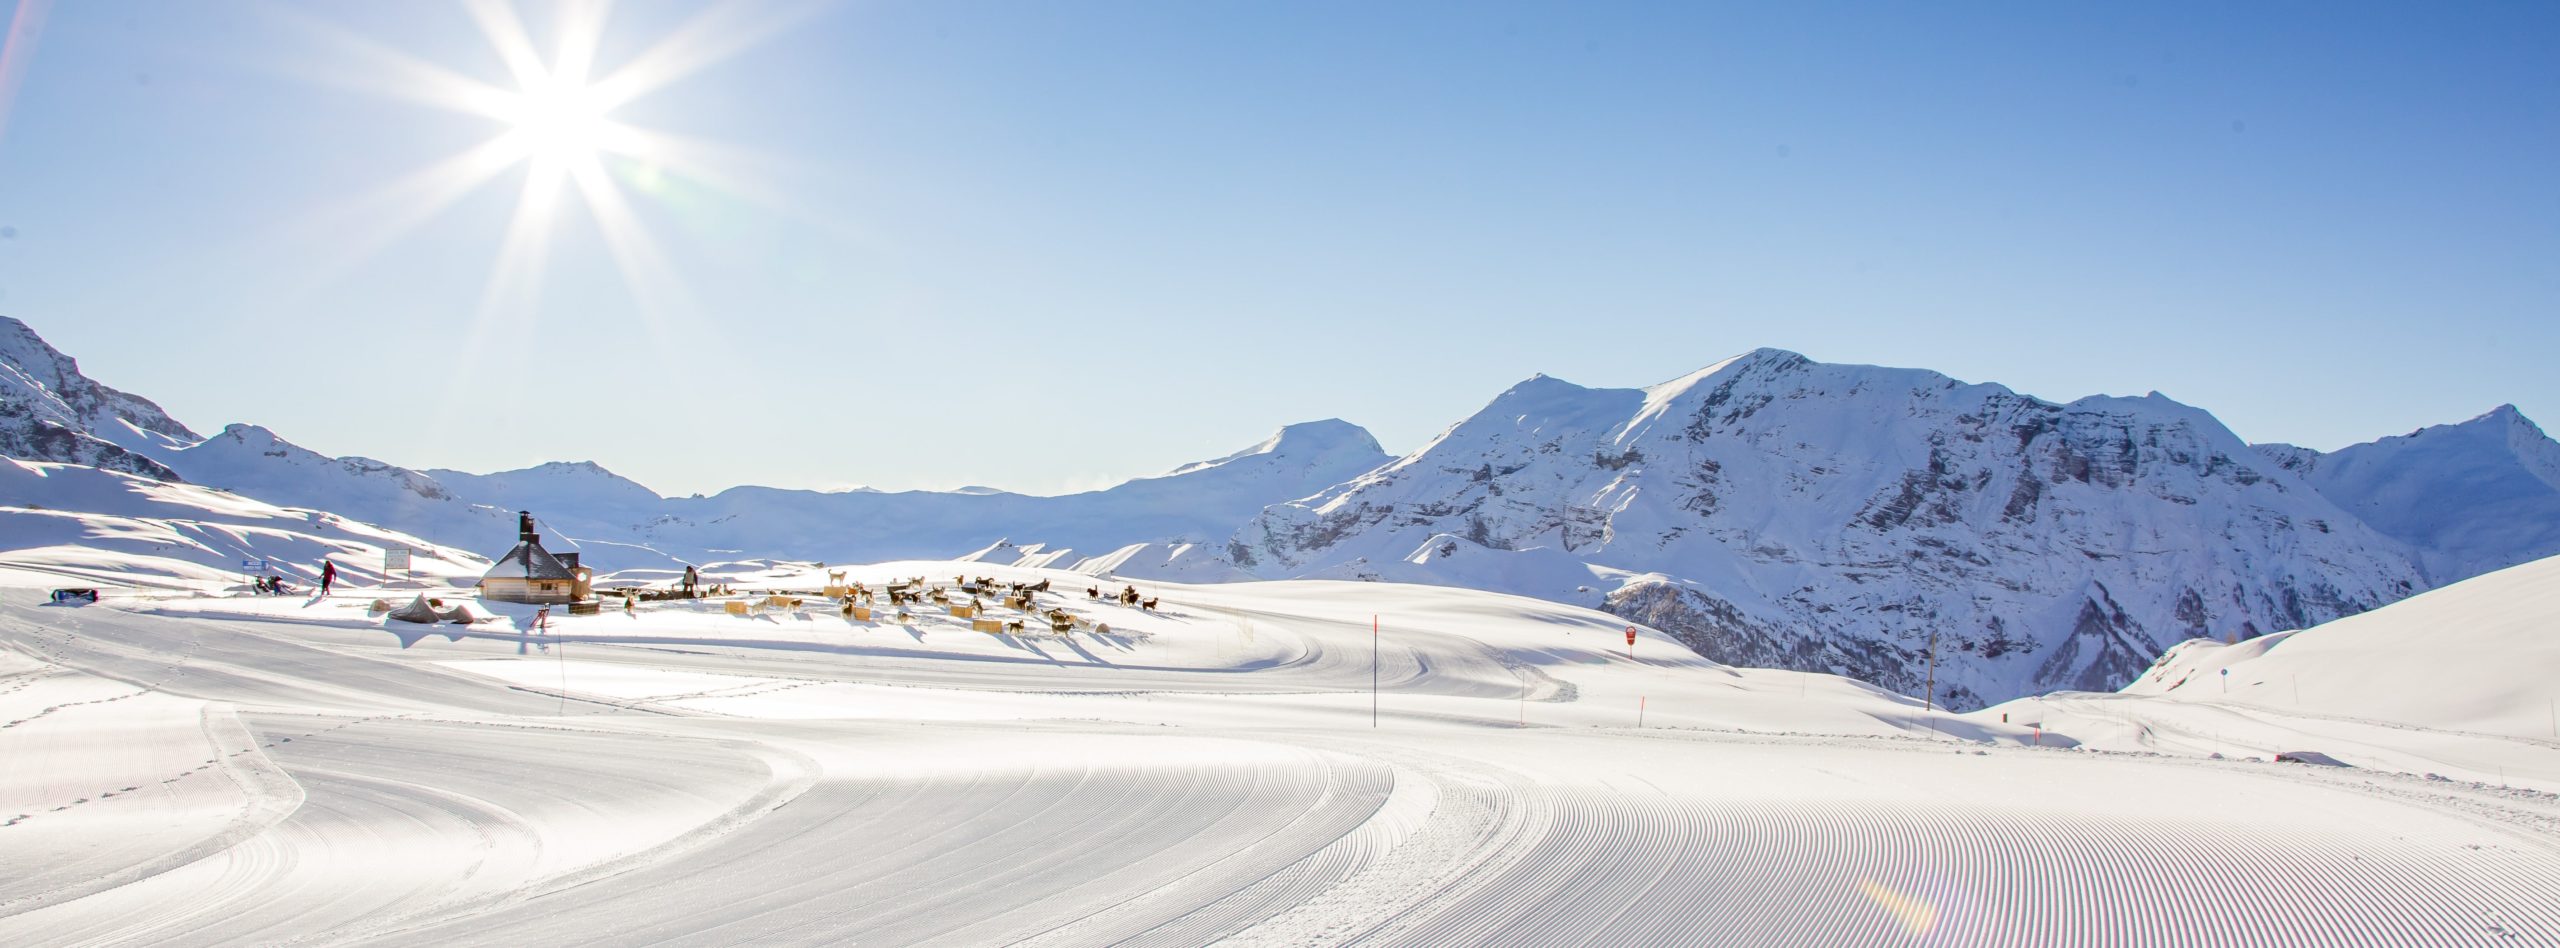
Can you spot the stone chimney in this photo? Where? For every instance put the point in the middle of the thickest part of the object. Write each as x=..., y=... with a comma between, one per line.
x=524, y=527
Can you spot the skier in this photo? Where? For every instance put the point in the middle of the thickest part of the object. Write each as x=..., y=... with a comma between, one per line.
x=328, y=574
x=692, y=580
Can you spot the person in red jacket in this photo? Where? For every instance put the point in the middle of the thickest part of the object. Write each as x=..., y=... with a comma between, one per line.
x=328, y=574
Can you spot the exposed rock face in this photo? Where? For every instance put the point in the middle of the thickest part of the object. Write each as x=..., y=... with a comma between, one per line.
x=1776, y=511
x=51, y=412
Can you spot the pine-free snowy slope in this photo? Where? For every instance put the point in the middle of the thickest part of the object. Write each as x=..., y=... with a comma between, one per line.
x=1207, y=772
x=2462, y=681
x=72, y=525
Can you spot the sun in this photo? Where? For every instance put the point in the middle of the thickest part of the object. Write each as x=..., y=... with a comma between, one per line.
x=560, y=123
x=554, y=126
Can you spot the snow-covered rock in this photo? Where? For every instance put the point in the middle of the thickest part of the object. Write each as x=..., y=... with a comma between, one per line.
x=51, y=412
x=2475, y=497
x=1775, y=511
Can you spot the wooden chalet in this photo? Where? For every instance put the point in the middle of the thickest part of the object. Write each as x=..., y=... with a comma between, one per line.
x=529, y=573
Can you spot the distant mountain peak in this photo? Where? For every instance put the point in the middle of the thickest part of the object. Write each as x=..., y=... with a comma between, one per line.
x=248, y=433
x=1321, y=439
x=1321, y=435
x=574, y=469
x=2472, y=497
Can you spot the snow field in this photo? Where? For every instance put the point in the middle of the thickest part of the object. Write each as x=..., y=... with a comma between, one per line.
x=2462, y=682
x=689, y=777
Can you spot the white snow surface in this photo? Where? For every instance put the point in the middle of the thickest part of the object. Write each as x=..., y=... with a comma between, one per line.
x=2461, y=681
x=74, y=525
x=260, y=770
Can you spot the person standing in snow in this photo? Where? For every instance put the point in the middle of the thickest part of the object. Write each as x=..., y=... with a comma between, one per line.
x=328, y=574
x=692, y=580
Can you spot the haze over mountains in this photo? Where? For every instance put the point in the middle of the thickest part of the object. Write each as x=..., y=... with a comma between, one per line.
x=1770, y=510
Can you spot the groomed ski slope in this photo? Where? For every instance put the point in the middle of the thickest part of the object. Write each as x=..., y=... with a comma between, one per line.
x=250, y=771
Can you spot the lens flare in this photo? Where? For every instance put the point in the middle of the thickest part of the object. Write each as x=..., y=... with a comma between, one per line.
x=553, y=113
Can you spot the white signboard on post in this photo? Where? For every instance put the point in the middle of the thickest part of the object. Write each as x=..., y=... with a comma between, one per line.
x=395, y=558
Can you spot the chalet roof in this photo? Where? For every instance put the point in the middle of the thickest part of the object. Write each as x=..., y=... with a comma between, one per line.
x=528, y=561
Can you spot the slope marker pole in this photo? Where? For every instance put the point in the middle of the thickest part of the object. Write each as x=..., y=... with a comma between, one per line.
x=1640, y=700
x=1373, y=669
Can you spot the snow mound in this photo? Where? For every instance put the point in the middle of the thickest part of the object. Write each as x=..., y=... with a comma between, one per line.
x=2479, y=655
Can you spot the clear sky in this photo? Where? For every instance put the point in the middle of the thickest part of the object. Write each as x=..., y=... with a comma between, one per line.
x=1047, y=246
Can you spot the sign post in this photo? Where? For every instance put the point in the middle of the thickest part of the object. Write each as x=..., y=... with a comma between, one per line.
x=1631, y=643
x=396, y=558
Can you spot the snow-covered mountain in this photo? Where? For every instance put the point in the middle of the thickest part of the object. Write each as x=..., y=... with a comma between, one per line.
x=51, y=412
x=71, y=524
x=1195, y=504
x=1772, y=510
x=1163, y=524
x=2474, y=497
x=251, y=460
x=581, y=486
x=1775, y=511
x=617, y=523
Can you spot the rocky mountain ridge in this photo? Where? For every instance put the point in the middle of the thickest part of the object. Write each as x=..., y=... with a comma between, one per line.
x=51, y=412
x=1774, y=511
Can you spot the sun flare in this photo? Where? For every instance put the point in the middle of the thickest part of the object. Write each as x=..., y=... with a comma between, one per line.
x=558, y=122
x=554, y=131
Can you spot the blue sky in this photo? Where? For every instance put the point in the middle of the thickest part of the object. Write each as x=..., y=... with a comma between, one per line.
x=1049, y=246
